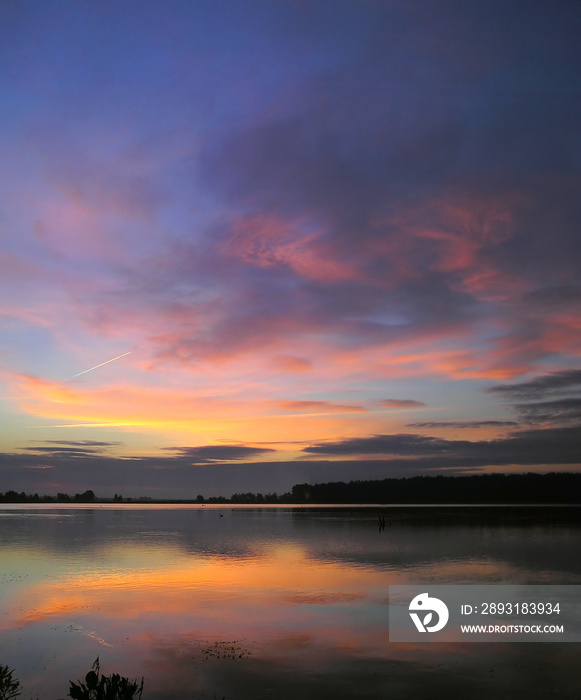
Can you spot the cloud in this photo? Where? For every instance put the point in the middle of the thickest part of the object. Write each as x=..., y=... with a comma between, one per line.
x=291, y=363
x=318, y=407
x=554, y=297
x=401, y=403
x=542, y=386
x=551, y=446
x=401, y=444
x=211, y=403
x=465, y=424
x=267, y=242
x=200, y=470
x=553, y=398
x=560, y=412
x=209, y=454
x=63, y=450
x=72, y=448
x=375, y=193
x=424, y=224
x=84, y=443
x=355, y=207
x=121, y=402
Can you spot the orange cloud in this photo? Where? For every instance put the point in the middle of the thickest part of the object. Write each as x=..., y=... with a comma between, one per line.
x=187, y=415
x=51, y=392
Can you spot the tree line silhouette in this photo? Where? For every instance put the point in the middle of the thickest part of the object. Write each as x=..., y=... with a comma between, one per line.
x=554, y=487
x=15, y=497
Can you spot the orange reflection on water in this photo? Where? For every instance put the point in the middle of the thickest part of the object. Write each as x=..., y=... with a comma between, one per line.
x=281, y=575
x=252, y=610
x=283, y=600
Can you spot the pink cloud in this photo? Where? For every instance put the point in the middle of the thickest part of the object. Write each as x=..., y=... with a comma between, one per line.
x=458, y=237
x=196, y=307
x=266, y=241
x=291, y=363
x=521, y=347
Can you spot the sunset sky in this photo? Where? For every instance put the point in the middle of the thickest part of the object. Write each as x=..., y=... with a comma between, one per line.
x=319, y=239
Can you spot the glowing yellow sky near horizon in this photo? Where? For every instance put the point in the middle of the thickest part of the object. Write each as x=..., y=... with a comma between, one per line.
x=179, y=416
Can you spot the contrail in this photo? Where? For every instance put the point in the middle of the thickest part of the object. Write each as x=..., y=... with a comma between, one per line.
x=97, y=366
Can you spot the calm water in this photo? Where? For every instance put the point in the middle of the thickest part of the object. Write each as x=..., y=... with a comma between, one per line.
x=271, y=603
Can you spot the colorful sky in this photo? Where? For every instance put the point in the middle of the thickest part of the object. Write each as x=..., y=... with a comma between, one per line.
x=324, y=240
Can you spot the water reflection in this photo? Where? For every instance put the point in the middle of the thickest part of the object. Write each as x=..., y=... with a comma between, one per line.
x=270, y=603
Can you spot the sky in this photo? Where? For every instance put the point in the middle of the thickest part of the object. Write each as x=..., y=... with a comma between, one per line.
x=245, y=245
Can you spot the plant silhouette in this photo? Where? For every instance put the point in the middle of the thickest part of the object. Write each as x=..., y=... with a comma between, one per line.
x=99, y=687
x=9, y=687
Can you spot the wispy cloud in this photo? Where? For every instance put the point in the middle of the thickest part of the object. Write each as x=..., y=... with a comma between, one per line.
x=400, y=444
x=543, y=386
x=553, y=398
x=208, y=454
x=401, y=403
x=72, y=448
x=520, y=447
x=465, y=424
x=558, y=412
x=318, y=407
x=83, y=443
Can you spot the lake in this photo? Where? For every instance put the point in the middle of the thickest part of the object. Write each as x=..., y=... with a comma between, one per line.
x=245, y=603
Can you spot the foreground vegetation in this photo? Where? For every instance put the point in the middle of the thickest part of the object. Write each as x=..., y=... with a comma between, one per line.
x=9, y=686
x=95, y=687
x=551, y=488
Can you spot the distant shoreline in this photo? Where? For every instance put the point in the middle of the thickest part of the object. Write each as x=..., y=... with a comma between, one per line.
x=529, y=489
x=191, y=505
